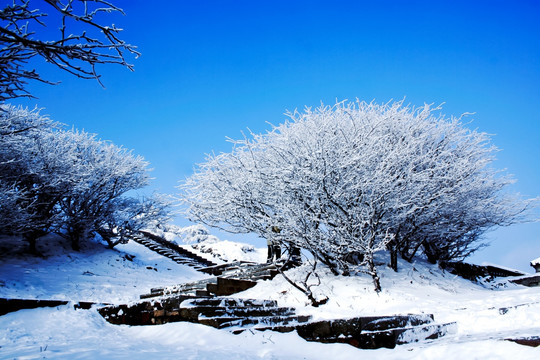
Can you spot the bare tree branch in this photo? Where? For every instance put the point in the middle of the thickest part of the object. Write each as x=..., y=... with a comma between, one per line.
x=77, y=54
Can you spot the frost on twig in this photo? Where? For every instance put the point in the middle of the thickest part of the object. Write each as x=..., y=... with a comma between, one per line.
x=23, y=37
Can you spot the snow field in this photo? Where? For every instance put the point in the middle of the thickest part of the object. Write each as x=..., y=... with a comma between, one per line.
x=101, y=275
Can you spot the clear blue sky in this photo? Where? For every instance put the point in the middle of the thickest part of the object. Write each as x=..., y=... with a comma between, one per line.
x=210, y=69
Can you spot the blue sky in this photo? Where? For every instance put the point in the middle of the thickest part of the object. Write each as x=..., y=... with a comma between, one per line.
x=210, y=69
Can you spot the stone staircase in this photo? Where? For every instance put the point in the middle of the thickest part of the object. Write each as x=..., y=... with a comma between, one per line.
x=206, y=302
x=218, y=312
x=174, y=252
x=231, y=313
x=230, y=279
x=238, y=315
x=373, y=332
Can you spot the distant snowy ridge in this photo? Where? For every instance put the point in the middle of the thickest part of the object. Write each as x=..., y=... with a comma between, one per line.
x=183, y=235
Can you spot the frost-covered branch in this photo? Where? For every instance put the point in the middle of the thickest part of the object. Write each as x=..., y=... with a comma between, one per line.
x=23, y=37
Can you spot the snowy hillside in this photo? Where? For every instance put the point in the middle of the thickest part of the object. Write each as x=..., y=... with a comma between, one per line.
x=120, y=276
x=197, y=238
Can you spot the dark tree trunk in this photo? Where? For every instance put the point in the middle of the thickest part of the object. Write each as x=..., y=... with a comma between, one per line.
x=431, y=253
x=108, y=238
x=331, y=263
x=77, y=234
x=392, y=247
x=31, y=239
x=75, y=243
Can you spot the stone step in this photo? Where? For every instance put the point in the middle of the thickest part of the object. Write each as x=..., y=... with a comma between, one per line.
x=219, y=269
x=261, y=277
x=190, y=288
x=179, y=259
x=220, y=312
x=244, y=311
x=351, y=327
x=530, y=281
x=266, y=321
x=151, y=295
x=245, y=272
x=174, y=252
x=146, y=312
x=397, y=321
x=222, y=286
x=355, y=331
x=392, y=337
x=424, y=332
x=230, y=302
x=504, y=310
x=236, y=315
x=229, y=286
x=202, y=293
x=533, y=341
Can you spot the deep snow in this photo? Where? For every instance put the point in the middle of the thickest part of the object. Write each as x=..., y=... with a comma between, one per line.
x=101, y=275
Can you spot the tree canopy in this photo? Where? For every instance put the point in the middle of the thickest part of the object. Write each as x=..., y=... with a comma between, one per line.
x=69, y=182
x=350, y=180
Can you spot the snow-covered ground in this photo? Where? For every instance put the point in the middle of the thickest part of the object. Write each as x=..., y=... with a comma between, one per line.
x=197, y=239
x=113, y=276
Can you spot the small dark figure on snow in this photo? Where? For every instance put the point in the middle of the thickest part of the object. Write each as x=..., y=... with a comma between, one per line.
x=274, y=249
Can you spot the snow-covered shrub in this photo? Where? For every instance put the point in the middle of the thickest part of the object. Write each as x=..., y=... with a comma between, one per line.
x=358, y=178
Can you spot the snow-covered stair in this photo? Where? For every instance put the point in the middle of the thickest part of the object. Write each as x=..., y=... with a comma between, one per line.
x=239, y=315
x=174, y=252
x=373, y=331
x=232, y=314
x=232, y=278
x=217, y=312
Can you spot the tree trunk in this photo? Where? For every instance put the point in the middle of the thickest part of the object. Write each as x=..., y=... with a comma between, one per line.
x=304, y=288
x=373, y=272
x=332, y=264
x=392, y=247
x=31, y=238
x=75, y=235
x=75, y=243
x=431, y=254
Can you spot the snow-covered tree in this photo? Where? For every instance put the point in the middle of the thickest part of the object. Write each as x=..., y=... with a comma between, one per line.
x=128, y=215
x=99, y=173
x=68, y=182
x=347, y=181
x=28, y=185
